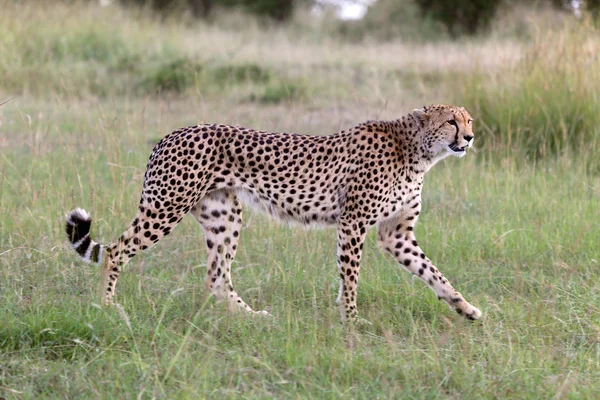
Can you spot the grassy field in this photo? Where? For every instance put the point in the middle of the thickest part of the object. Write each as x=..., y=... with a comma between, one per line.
x=515, y=226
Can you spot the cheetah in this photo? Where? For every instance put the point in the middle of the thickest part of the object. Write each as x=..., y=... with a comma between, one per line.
x=369, y=175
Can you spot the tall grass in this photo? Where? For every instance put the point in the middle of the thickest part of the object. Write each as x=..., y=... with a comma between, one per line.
x=547, y=103
x=109, y=51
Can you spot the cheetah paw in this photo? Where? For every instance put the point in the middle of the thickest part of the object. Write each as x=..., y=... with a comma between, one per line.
x=355, y=320
x=263, y=313
x=362, y=321
x=475, y=314
x=471, y=313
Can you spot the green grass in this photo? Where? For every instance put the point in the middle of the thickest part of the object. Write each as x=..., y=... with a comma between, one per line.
x=278, y=91
x=515, y=230
x=521, y=243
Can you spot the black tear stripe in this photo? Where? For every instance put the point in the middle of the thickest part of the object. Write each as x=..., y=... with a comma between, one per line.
x=455, y=143
x=456, y=136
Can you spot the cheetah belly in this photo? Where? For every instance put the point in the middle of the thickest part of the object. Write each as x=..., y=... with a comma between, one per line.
x=253, y=200
x=289, y=212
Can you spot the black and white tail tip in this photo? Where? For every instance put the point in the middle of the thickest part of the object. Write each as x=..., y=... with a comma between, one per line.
x=78, y=232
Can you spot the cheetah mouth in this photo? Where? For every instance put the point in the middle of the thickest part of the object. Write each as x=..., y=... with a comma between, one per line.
x=455, y=148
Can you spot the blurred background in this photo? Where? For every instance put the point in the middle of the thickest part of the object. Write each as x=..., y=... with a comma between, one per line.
x=515, y=226
x=528, y=70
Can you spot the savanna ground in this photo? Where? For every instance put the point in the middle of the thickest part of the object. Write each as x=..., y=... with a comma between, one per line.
x=515, y=226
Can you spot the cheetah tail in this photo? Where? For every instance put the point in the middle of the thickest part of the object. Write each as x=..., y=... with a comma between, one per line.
x=78, y=231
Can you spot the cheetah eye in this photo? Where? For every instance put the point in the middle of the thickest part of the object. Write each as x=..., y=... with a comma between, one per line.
x=453, y=123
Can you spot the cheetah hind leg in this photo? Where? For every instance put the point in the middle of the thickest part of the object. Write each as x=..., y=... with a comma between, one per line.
x=220, y=215
x=141, y=235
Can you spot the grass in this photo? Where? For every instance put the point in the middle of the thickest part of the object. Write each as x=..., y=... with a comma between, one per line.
x=516, y=231
x=549, y=104
x=278, y=91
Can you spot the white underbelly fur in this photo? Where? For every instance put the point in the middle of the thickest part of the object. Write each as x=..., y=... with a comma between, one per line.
x=254, y=201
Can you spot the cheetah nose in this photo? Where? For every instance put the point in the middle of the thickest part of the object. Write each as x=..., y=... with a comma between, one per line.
x=468, y=138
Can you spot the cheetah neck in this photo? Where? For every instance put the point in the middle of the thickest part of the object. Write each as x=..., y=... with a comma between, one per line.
x=411, y=143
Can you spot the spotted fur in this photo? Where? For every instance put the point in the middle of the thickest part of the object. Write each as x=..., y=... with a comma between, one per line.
x=369, y=175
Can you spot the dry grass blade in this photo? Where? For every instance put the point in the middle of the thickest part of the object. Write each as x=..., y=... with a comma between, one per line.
x=5, y=101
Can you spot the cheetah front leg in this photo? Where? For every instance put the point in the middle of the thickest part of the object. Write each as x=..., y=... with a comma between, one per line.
x=351, y=237
x=396, y=236
x=220, y=215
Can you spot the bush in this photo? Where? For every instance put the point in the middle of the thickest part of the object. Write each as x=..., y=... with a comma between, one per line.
x=174, y=76
x=280, y=91
x=460, y=16
x=389, y=19
x=593, y=7
x=178, y=75
x=235, y=74
x=279, y=10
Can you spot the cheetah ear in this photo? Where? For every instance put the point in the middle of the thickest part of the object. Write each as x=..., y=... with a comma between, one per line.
x=421, y=117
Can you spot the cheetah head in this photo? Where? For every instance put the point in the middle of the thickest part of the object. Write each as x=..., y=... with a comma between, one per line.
x=445, y=130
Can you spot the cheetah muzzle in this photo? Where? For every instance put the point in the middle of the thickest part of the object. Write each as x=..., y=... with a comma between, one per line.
x=369, y=175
